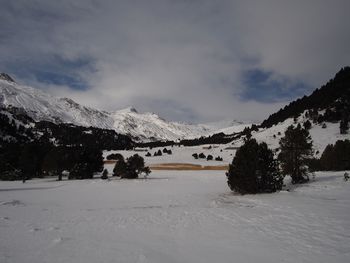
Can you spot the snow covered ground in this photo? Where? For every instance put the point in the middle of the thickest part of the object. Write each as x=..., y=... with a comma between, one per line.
x=321, y=136
x=183, y=154
x=173, y=217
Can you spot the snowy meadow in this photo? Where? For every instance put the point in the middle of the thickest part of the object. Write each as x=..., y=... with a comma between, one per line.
x=173, y=216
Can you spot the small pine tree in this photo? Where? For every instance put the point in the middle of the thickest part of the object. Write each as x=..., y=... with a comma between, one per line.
x=132, y=168
x=296, y=149
x=307, y=125
x=336, y=157
x=120, y=167
x=218, y=158
x=202, y=156
x=209, y=157
x=344, y=126
x=104, y=174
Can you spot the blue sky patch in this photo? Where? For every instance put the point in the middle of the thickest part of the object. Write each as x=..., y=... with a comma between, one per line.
x=261, y=86
x=53, y=70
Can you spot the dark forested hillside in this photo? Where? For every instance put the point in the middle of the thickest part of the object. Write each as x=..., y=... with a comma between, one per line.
x=71, y=135
x=334, y=97
x=17, y=128
x=33, y=149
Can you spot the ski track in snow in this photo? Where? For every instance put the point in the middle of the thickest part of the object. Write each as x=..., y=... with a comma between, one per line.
x=175, y=217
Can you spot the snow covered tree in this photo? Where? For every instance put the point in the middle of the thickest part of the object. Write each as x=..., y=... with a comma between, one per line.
x=254, y=170
x=296, y=149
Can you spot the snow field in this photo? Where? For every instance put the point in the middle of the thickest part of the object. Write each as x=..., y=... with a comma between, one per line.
x=182, y=155
x=189, y=216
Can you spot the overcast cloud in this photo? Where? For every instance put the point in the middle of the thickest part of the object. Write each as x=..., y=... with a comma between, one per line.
x=186, y=60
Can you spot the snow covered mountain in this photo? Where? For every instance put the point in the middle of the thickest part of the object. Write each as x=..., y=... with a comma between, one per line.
x=149, y=126
x=141, y=126
x=42, y=106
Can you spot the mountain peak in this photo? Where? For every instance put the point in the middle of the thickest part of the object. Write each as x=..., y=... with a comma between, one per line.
x=130, y=109
x=6, y=77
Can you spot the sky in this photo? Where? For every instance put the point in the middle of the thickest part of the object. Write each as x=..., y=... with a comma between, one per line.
x=187, y=60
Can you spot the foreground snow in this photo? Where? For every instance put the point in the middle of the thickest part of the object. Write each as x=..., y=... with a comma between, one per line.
x=173, y=217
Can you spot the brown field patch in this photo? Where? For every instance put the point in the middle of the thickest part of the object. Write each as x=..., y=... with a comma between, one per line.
x=181, y=166
x=187, y=167
x=109, y=161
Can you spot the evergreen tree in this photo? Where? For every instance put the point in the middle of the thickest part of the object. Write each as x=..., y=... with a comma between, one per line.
x=209, y=157
x=202, y=156
x=120, y=167
x=131, y=168
x=104, y=174
x=336, y=157
x=135, y=166
x=344, y=125
x=218, y=158
x=307, y=125
x=81, y=171
x=254, y=170
x=269, y=177
x=84, y=162
x=296, y=149
x=327, y=159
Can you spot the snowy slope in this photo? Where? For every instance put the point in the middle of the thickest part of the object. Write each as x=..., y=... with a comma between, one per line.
x=148, y=126
x=321, y=137
x=187, y=216
x=42, y=106
x=141, y=126
x=227, y=126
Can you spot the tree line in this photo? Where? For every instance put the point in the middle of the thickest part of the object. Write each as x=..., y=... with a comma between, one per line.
x=333, y=98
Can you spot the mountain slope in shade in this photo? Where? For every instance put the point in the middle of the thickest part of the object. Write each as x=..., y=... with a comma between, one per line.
x=333, y=97
x=141, y=126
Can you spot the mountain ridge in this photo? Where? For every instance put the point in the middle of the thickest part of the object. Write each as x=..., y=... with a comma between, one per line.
x=140, y=126
x=324, y=98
